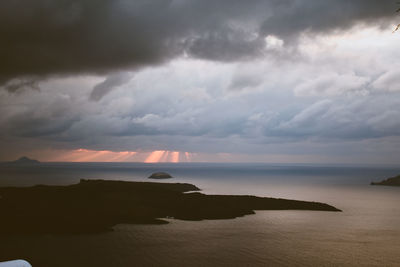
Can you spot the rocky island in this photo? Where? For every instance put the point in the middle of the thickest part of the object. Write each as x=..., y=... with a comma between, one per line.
x=160, y=175
x=98, y=205
x=393, y=181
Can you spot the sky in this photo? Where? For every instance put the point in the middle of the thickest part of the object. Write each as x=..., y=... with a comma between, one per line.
x=276, y=81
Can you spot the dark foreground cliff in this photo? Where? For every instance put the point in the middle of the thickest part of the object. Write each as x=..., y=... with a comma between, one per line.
x=98, y=205
x=393, y=181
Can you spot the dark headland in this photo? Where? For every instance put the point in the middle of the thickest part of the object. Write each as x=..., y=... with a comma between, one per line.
x=393, y=181
x=98, y=205
x=160, y=175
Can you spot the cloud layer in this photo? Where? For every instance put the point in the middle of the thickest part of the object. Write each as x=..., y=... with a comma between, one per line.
x=298, y=79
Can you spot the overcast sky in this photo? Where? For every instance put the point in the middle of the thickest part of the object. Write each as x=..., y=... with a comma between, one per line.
x=219, y=80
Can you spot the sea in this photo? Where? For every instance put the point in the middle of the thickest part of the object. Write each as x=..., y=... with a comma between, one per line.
x=365, y=233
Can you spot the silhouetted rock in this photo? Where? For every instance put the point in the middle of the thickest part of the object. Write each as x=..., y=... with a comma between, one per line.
x=160, y=175
x=393, y=181
x=25, y=161
x=98, y=205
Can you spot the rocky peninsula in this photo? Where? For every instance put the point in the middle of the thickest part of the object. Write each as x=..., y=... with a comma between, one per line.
x=98, y=205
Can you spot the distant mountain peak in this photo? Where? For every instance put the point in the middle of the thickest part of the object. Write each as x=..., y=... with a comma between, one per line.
x=25, y=160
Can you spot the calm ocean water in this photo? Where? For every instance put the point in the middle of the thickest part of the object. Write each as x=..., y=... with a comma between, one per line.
x=366, y=233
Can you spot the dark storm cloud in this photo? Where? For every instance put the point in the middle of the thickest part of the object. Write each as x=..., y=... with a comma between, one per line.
x=43, y=38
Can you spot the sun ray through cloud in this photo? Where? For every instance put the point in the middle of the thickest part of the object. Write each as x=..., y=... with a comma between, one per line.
x=155, y=156
x=187, y=156
x=175, y=156
x=165, y=157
